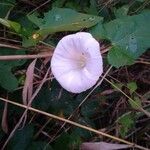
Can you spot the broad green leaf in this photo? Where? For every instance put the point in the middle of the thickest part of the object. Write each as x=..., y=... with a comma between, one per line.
x=93, y=9
x=58, y=3
x=90, y=108
x=55, y=100
x=11, y=24
x=36, y=19
x=62, y=142
x=126, y=122
x=129, y=34
x=122, y=11
x=21, y=139
x=63, y=19
x=132, y=86
x=5, y=6
x=43, y=100
x=67, y=141
x=28, y=41
x=75, y=140
x=7, y=79
x=24, y=28
x=117, y=57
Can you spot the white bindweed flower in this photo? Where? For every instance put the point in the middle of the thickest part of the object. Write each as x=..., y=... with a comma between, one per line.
x=77, y=62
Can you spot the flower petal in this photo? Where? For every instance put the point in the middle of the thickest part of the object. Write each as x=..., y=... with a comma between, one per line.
x=70, y=53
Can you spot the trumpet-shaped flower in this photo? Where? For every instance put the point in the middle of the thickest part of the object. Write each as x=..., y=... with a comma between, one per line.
x=77, y=62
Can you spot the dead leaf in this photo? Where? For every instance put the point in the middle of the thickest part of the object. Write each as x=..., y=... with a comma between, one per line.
x=28, y=86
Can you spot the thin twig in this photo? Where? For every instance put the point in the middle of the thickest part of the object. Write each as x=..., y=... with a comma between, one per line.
x=41, y=129
x=75, y=124
x=16, y=57
x=142, y=62
x=7, y=39
x=105, y=5
x=38, y=7
x=10, y=46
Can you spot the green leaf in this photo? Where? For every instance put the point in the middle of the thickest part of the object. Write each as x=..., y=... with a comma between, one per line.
x=129, y=34
x=63, y=19
x=126, y=122
x=5, y=7
x=7, y=79
x=11, y=24
x=67, y=141
x=34, y=18
x=62, y=142
x=93, y=9
x=21, y=139
x=75, y=141
x=55, y=100
x=121, y=12
x=117, y=57
x=90, y=108
x=58, y=3
x=132, y=86
x=27, y=42
x=43, y=100
x=39, y=146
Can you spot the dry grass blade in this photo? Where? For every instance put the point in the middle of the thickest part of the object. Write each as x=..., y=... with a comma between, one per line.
x=74, y=124
x=40, y=130
x=143, y=62
x=102, y=146
x=147, y=2
x=10, y=46
x=28, y=106
x=16, y=57
x=4, y=119
x=105, y=5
